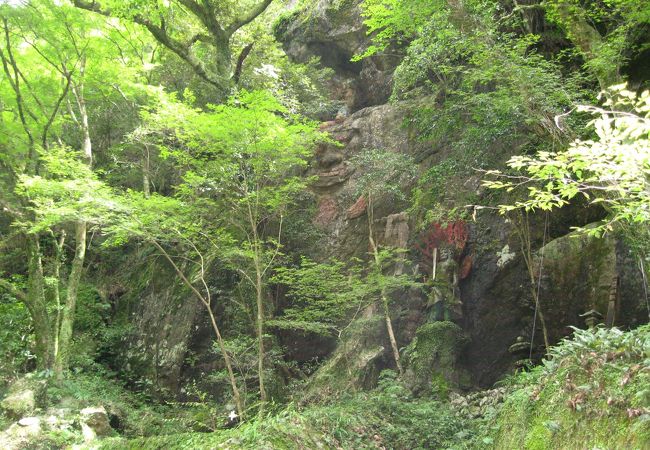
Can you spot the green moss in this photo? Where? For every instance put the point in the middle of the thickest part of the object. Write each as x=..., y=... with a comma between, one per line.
x=351, y=367
x=283, y=22
x=590, y=395
x=431, y=357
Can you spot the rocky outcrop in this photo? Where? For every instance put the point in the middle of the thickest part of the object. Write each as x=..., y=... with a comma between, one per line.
x=333, y=30
x=162, y=317
x=21, y=434
x=432, y=359
x=494, y=284
x=29, y=432
x=577, y=274
x=356, y=362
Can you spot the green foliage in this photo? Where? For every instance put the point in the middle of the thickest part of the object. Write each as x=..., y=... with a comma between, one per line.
x=135, y=412
x=388, y=416
x=611, y=169
x=592, y=392
x=16, y=338
x=394, y=21
x=322, y=295
x=67, y=190
x=489, y=92
x=385, y=174
x=604, y=33
x=325, y=295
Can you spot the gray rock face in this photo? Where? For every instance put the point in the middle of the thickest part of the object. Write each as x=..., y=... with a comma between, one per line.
x=334, y=31
x=577, y=274
x=22, y=397
x=94, y=423
x=19, y=435
x=496, y=295
x=163, y=320
x=340, y=210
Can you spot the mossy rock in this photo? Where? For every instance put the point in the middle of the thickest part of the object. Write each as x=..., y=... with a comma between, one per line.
x=353, y=366
x=431, y=359
x=23, y=396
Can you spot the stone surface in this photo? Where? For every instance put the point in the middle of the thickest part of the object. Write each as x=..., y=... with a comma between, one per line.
x=19, y=403
x=163, y=317
x=356, y=362
x=94, y=423
x=19, y=436
x=333, y=30
x=29, y=422
x=22, y=397
x=432, y=359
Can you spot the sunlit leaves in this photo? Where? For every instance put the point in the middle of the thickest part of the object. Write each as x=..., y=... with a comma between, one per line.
x=67, y=190
x=613, y=169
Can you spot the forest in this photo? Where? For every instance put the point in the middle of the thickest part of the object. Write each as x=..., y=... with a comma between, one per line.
x=324, y=224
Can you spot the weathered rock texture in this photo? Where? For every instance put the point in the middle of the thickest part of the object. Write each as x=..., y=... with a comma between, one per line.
x=495, y=289
x=334, y=32
x=22, y=397
x=495, y=286
x=161, y=315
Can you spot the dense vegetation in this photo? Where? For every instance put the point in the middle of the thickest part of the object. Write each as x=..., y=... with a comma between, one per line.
x=166, y=156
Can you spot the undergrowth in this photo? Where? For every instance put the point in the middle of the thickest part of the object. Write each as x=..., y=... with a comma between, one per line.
x=593, y=392
x=388, y=417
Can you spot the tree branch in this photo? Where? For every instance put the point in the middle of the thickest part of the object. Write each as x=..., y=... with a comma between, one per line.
x=160, y=34
x=7, y=286
x=240, y=62
x=249, y=17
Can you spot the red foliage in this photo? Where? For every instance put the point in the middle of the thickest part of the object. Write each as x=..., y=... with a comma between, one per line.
x=452, y=234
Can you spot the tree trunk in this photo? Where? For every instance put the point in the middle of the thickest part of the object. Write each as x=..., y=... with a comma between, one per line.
x=207, y=303
x=260, y=332
x=68, y=313
x=384, y=297
x=146, y=184
x=58, y=261
x=391, y=336
x=523, y=230
x=36, y=305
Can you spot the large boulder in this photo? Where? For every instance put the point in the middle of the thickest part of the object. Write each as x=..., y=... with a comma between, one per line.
x=19, y=435
x=22, y=397
x=356, y=362
x=162, y=317
x=432, y=359
x=94, y=423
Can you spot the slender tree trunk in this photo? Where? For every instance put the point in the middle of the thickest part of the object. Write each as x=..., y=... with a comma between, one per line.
x=36, y=304
x=259, y=300
x=384, y=296
x=391, y=336
x=57, y=291
x=78, y=91
x=526, y=250
x=146, y=184
x=67, y=316
x=226, y=357
x=259, y=288
x=206, y=302
x=81, y=228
